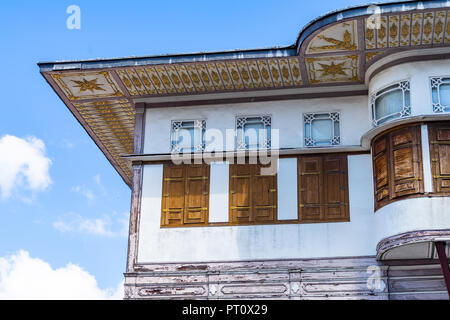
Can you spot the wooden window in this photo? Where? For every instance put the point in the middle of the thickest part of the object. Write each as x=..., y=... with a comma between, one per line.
x=439, y=136
x=185, y=195
x=397, y=168
x=253, y=196
x=323, y=188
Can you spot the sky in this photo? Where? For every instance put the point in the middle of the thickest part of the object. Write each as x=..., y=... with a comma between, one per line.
x=63, y=208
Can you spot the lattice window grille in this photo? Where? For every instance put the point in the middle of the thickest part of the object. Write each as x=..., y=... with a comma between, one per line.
x=264, y=141
x=333, y=138
x=194, y=127
x=437, y=83
x=405, y=110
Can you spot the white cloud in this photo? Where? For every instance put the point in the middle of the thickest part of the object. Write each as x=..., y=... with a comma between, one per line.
x=87, y=193
x=24, y=277
x=103, y=226
x=23, y=164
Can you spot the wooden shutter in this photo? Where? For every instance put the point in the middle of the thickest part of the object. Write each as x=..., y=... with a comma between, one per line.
x=335, y=187
x=197, y=194
x=185, y=195
x=253, y=196
x=406, y=161
x=380, y=154
x=397, y=164
x=173, y=195
x=240, y=193
x=439, y=136
x=310, y=186
x=323, y=188
x=264, y=196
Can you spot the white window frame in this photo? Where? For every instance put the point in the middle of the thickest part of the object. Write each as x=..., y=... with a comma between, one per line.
x=435, y=83
x=403, y=85
x=266, y=120
x=175, y=127
x=308, y=118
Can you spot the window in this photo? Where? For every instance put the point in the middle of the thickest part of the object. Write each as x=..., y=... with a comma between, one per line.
x=185, y=195
x=253, y=196
x=253, y=132
x=439, y=137
x=397, y=164
x=391, y=103
x=440, y=94
x=321, y=129
x=188, y=136
x=323, y=188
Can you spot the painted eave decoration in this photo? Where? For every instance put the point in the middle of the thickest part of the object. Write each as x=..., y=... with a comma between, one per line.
x=335, y=49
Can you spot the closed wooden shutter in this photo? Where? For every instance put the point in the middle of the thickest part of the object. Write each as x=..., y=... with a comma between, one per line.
x=264, y=195
x=197, y=194
x=323, y=188
x=185, y=195
x=310, y=188
x=439, y=136
x=406, y=161
x=380, y=170
x=173, y=195
x=252, y=195
x=397, y=165
x=240, y=193
x=336, y=188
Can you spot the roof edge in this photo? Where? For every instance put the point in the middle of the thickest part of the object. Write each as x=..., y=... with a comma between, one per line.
x=269, y=52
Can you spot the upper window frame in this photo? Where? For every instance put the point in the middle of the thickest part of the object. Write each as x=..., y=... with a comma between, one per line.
x=240, y=121
x=405, y=86
x=435, y=82
x=176, y=125
x=309, y=117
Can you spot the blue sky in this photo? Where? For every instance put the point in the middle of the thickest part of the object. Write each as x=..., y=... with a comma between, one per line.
x=70, y=206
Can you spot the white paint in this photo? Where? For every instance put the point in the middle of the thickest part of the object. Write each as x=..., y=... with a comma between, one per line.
x=287, y=189
x=419, y=74
x=286, y=116
x=151, y=192
x=426, y=160
x=219, y=187
x=282, y=241
x=412, y=214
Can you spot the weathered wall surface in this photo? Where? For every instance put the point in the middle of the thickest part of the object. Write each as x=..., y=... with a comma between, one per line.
x=348, y=278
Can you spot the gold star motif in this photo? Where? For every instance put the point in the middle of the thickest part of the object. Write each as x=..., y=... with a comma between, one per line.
x=332, y=69
x=90, y=85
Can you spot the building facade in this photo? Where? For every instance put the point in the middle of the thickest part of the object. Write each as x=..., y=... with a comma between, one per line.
x=315, y=171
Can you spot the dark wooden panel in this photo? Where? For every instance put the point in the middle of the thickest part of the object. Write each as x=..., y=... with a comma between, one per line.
x=240, y=193
x=336, y=206
x=397, y=164
x=439, y=135
x=406, y=161
x=197, y=194
x=264, y=196
x=185, y=195
x=323, y=188
x=310, y=195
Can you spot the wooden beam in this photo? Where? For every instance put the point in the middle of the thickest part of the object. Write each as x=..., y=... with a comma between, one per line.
x=440, y=246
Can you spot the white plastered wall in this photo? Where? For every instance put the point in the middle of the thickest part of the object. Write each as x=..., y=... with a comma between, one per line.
x=355, y=238
x=419, y=74
x=287, y=116
x=231, y=243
